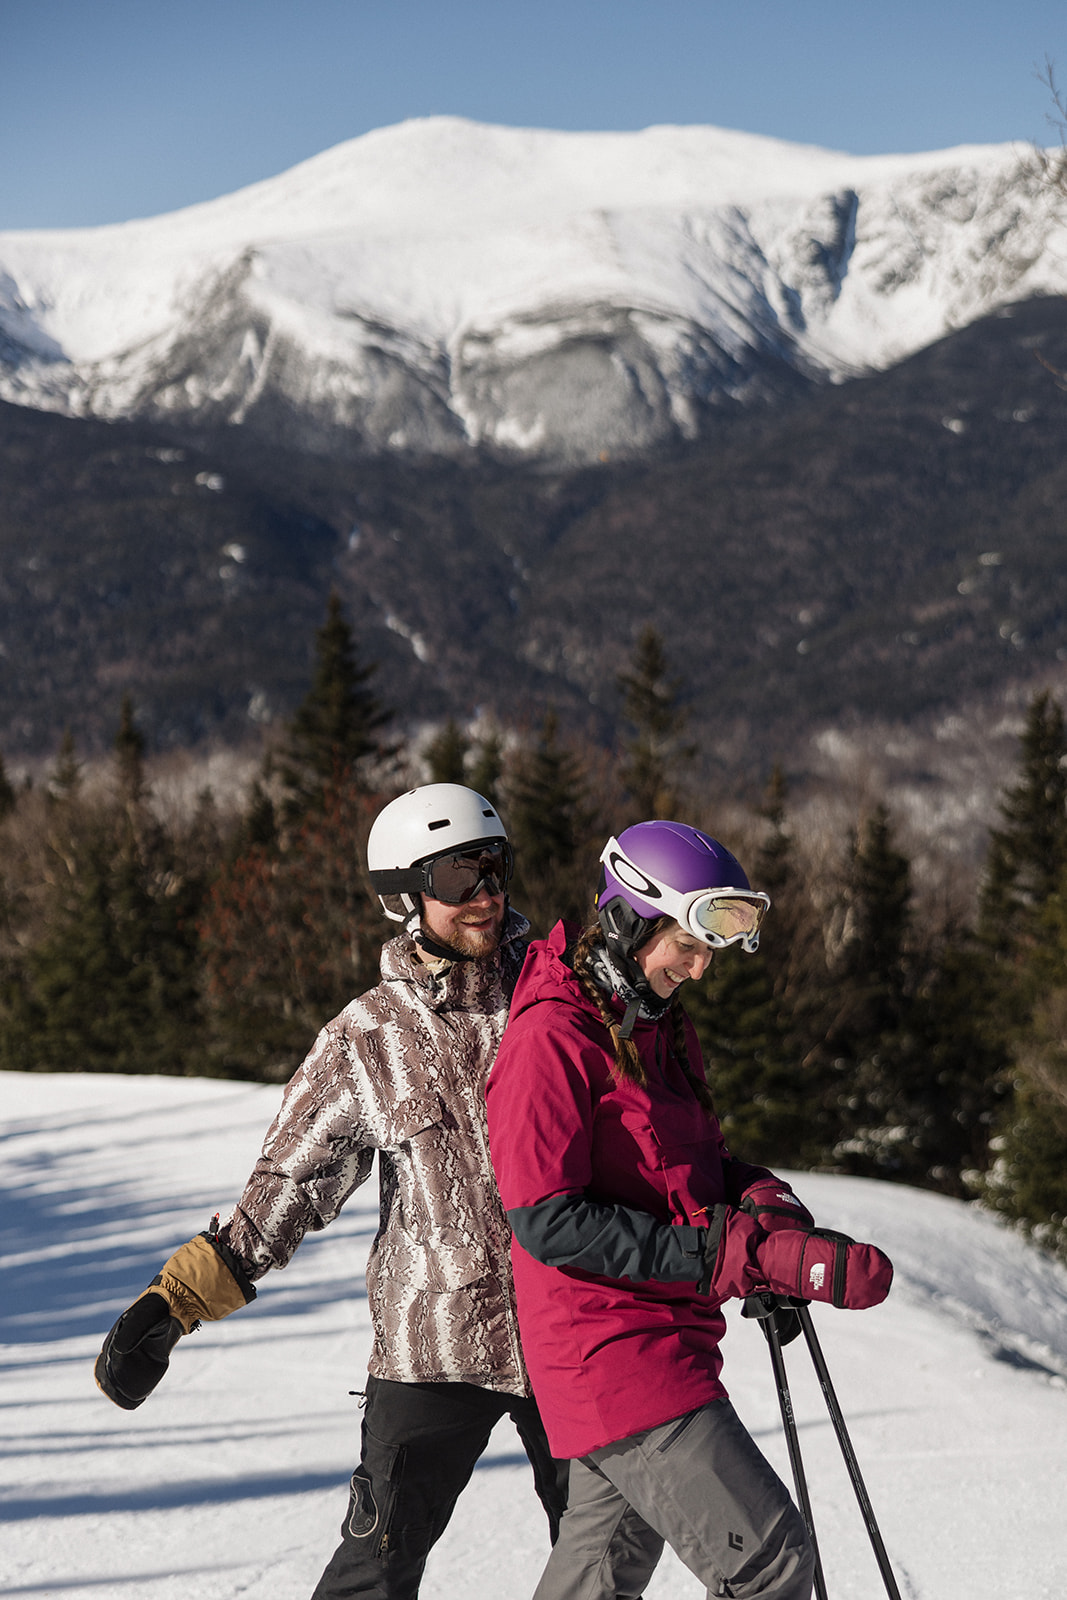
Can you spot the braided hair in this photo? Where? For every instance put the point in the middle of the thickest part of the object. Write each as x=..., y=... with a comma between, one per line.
x=627, y=1063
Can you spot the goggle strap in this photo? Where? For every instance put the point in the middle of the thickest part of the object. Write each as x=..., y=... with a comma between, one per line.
x=398, y=880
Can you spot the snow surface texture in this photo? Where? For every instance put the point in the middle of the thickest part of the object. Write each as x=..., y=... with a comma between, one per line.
x=442, y=284
x=232, y=1478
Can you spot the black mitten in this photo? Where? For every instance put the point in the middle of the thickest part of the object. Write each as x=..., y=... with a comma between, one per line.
x=136, y=1352
x=202, y=1281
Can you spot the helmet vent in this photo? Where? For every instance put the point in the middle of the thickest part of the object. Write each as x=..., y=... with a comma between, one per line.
x=433, y=826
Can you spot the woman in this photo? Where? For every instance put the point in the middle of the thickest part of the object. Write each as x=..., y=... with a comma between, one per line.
x=633, y=1223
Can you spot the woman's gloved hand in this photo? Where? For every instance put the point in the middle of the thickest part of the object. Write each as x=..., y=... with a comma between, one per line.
x=774, y=1205
x=742, y=1258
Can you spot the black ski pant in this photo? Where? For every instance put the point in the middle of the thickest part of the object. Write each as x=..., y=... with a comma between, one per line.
x=421, y=1442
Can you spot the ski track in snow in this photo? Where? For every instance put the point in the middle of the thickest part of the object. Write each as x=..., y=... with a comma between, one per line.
x=231, y=1479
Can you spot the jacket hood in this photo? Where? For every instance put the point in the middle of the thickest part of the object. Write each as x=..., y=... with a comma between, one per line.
x=548, y=975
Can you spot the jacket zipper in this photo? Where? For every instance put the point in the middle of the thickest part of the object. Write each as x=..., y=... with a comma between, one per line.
x=507, y=1286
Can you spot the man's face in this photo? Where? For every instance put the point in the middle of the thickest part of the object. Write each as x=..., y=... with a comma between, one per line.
x=472, y=929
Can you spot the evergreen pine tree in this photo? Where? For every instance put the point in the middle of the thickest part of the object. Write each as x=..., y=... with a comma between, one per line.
x=962, y=1078
x=446, y=754
x=1023, y=929
x=755, y=1087
x=657, y=753
x=129, y=750
x=7, y=793
x=110, y=984
x=774, y=871
x=66, y=776
x=289, y=933
x=917, y=1084
x=879, y=915
x=757, y=1059
x=1027, y=1180
x=872, y=1038
x=259, y=824
x=288, y=936
x=488, y=766
x=337, y=726
x=1028, y=854
x=550, y=829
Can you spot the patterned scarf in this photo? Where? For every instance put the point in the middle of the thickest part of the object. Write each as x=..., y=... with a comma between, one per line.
x=643, y=1002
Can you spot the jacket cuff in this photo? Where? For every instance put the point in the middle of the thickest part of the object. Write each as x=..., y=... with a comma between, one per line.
x=198, y=1284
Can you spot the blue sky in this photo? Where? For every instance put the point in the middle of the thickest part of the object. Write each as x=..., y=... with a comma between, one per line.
x=111, y=109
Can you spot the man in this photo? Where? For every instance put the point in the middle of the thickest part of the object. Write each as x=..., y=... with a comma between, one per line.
x=400, y=1071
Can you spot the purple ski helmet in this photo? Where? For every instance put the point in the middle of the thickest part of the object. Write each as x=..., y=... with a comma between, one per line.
x=668, y=869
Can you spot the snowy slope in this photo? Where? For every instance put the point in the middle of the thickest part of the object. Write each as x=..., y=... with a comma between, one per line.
x=442, y=283
x=231, y=1479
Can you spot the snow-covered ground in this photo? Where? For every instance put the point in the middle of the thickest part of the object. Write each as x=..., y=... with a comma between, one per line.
x=231, y=1480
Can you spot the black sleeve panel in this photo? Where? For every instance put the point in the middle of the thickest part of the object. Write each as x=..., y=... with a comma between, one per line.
x=569, y=1230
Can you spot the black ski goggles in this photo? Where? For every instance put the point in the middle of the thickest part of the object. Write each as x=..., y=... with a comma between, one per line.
x=457, y=877
x=454, y=877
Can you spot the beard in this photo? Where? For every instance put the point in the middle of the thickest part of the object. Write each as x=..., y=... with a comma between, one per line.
x=473, y=943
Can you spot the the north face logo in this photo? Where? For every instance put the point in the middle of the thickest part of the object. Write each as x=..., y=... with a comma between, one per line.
x=817, y=1274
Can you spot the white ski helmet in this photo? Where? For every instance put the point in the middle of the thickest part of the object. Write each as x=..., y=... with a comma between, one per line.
x=427, y=827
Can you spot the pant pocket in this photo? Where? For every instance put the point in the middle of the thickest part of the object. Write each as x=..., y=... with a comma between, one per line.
x=373, y=1495
x=362, y=1519
x=675, y=1431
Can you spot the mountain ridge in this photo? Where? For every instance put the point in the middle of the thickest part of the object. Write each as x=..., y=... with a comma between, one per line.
x=448, y=288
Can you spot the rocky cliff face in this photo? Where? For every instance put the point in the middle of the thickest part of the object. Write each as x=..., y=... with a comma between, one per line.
x=442, y=288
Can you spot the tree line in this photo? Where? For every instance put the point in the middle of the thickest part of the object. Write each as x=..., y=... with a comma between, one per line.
x=873, y=1033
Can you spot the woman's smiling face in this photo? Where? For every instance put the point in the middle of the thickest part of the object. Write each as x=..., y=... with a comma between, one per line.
x=670, y=957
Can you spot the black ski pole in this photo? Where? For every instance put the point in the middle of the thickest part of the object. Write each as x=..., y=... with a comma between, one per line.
x=763, y=1307
x=837, y=1418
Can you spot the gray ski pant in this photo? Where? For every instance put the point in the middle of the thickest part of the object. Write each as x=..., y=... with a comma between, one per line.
x=703, y=1485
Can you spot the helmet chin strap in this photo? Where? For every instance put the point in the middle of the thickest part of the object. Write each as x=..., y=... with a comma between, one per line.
x=633, y=1011
x=418, y=934
x=433, y=947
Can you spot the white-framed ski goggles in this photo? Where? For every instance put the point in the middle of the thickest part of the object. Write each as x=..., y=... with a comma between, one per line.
x=717, y=917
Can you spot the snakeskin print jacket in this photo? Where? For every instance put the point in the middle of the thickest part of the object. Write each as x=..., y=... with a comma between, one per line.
x=402, y=1071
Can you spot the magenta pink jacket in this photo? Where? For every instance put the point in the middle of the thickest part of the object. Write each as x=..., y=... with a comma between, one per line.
x=607, y=1356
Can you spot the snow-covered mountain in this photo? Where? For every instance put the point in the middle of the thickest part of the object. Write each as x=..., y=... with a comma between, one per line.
x=442, y=284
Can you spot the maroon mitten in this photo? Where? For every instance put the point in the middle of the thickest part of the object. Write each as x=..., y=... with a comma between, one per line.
x=774, y=1205
x=820, y=1265
x=808, y=1263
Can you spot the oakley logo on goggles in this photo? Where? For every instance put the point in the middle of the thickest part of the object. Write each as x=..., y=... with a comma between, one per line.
x=717, y=917
x=453, y=878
